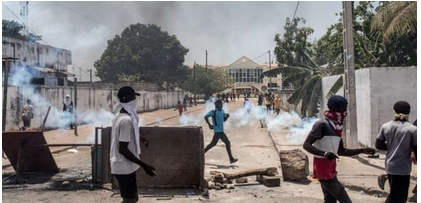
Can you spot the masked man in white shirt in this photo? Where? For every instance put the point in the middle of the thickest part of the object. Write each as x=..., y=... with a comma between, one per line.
x=125, y=145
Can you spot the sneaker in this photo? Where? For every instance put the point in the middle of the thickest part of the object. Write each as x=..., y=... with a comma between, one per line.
x=233, y=160
x=381, y=180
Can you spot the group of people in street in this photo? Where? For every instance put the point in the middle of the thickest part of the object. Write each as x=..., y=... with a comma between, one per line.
x=182, y=107
x=272, y=102
x=324, y=141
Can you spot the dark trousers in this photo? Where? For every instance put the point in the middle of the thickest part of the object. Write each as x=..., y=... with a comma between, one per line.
x=127, y=184
x=333, y=190
x=268, y=108
x=399, y=186
x=26, y=123
x=224, y=139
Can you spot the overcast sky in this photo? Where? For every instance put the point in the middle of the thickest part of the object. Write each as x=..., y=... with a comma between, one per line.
x=227, y=30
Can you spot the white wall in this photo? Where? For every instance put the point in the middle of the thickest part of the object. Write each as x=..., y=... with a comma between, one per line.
x=389, y=85
x=377, y=90
x=91, y=102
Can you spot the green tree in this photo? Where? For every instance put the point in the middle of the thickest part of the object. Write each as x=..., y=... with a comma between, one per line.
x=307, y=80
x=208, y=81
x=371, y=50
x=292, y=53
x=396, y=18
x=129, y=78
x=291, y=47
x=13, y=29
x=145, y=50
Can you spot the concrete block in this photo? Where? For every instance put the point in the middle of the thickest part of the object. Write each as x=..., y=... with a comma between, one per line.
x=269, y=181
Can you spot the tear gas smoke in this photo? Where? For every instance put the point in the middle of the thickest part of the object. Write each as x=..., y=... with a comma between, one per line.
x=197, y=119
x=21, y=78
x=298, y=134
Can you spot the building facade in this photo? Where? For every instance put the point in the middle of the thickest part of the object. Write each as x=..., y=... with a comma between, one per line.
x=47, y=65
x=246, y=74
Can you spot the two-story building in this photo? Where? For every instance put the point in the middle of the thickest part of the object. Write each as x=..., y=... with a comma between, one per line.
x=246, y=74
x=46, y=64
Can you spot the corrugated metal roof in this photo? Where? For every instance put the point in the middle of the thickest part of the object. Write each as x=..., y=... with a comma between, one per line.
x=50, y=70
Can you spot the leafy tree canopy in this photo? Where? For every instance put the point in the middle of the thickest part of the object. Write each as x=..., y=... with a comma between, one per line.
x=208, y=81
x=13, y=29
x=303, y=63
x=371, y=47
x=290, y=47
x=294, y=52
x=147, y=51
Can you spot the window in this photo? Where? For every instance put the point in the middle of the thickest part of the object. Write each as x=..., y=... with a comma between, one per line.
x=60, y=82
x=38, y=81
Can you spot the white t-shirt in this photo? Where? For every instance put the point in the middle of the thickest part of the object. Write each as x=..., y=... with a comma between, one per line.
x=122, y=131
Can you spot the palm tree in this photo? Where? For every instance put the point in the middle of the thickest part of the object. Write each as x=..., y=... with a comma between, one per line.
x=395, y=19
x=309, y=80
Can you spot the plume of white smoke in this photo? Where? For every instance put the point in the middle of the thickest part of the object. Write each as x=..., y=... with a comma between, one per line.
x=298, y=134
x=283, y=120
x=244, y=116
x=21, y=78
x=197, y=119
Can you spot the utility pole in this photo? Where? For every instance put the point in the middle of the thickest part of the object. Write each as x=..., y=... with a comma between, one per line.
x=351, y=137
x=90, y=74
x=206, y=59
x=270, y=77
x=5, y=87
x=194, y=81
x=75, y=108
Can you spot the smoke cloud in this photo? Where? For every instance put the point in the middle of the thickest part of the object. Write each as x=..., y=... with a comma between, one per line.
x=21, y=77
x=228, y=30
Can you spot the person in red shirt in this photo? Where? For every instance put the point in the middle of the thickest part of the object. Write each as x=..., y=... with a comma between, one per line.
x=180, y=107
x=325, y=142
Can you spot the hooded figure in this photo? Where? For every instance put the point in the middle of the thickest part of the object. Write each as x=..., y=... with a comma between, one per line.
x=68, y=111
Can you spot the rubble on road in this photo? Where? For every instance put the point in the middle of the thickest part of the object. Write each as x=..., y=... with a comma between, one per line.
x=220, y=180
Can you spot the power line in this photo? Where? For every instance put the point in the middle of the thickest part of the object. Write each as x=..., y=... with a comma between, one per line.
x=22, y=22
x=12, y=12
x=85, y=16
x=86, y=72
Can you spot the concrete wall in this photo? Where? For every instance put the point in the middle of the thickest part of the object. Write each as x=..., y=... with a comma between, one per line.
x=377, y=90
x=35, y=54
x=91, y=101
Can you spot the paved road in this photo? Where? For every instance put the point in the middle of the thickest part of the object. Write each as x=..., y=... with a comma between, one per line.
x=251, y=144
